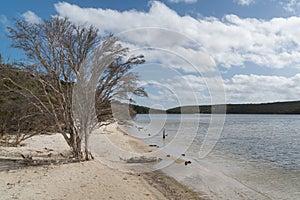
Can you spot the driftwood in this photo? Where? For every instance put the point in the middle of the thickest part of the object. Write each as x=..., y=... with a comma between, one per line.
x=141, y=159
x=153, y=145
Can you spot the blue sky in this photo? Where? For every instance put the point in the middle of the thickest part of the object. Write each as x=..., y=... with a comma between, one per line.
x=234, y=51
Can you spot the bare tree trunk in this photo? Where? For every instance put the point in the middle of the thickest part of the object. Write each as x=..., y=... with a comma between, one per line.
x=86, y=148
x=75, y=143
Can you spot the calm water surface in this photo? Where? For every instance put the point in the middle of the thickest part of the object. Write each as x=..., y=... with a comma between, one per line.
x=260, y=151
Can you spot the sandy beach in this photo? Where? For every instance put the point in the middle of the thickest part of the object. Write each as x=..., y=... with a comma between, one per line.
x=84, y=180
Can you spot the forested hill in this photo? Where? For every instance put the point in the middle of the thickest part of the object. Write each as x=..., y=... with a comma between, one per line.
x=290, y=107
x=146, y=110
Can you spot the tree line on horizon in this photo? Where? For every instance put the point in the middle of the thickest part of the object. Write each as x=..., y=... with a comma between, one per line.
x=288, y=107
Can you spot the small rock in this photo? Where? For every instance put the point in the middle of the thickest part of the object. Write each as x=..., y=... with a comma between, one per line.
x=187, y=162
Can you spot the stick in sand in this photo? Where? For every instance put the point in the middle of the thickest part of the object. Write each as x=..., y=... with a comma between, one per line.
x=164, y=134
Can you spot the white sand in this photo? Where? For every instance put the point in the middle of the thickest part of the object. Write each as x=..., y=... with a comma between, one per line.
x=85, y=180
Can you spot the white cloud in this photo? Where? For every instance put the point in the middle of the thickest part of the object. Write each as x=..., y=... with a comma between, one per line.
x=179, y=42
x=256, y=88
x=182, y=90
x=31, y=17
x=191, y=90
x=292, y=6
x=184, y=1
x=230, y=41
x=154, y=29
x=244, y=2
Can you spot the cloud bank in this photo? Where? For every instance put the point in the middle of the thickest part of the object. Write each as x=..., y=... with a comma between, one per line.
x=231, y=41
x=255, y=88
x=186, y=43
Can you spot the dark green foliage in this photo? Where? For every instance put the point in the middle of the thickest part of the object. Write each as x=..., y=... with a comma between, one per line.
x=146, y=110
x=17, y=114
x=291, y=107
x=140, y=109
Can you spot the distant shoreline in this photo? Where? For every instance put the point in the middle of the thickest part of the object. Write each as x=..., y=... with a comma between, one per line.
x=284, y=108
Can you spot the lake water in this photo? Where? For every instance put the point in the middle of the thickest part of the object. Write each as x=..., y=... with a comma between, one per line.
x=255, y=157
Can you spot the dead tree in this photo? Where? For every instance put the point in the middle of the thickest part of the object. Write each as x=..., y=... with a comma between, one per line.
x=62, y=56
x=84, y=92
x=56, y=48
